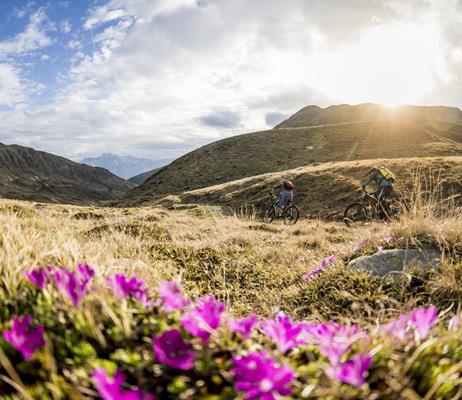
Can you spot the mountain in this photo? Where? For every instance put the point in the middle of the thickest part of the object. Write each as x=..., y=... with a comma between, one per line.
x=314, y=115
x=124, y=166
x=283, y=149
x=27, y=174
x=141, y=178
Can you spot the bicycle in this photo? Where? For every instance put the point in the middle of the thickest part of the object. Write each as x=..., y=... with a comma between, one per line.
x=290, y=213
x=369, y=208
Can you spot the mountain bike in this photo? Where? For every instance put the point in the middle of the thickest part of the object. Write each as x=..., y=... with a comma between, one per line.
x=369, y=208
x=290, y=213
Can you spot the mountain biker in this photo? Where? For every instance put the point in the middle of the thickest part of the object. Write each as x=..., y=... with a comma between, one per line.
x=384, y=185
x=286, y=195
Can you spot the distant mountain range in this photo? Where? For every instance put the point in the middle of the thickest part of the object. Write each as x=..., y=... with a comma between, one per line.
x=28, y=174
x=124, y=166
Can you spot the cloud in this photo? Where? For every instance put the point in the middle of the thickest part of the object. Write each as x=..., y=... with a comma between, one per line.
x=162, y=76
x=32, y=38
x=221, y=119
x=11, y=88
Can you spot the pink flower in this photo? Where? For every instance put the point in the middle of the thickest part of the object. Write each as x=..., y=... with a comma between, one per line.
x=111, y=389
x=334, y=340
x=360, y=246
x=353, y=371
x=284, y=332
x=379, y=248
x=74, y=285
x=124, y=288
x=261, y=377
x=39, y=276
x=243, y=326
x=398, y=328
x=204, y=318
x=171, y=296
x=312, y=273
x=423, y=319
x=324, y=263
x=172, y=350
x=419, y=320
x=23, y=338
x=388, y=239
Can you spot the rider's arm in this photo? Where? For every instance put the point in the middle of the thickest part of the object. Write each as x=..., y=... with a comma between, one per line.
x=369, y=180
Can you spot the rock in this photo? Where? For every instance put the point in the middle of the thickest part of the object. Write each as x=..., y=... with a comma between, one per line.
x=386, y=262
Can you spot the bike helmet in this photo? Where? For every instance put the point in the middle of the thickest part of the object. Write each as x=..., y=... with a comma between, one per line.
x=288, y=185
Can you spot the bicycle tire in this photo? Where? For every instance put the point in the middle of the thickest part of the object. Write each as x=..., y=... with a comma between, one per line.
x=291, y=215
x=354, y=213
x=269, y=214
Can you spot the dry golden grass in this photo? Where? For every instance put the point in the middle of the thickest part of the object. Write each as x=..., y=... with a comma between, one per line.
x=249, y=265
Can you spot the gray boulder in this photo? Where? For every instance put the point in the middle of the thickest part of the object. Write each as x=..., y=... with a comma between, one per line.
x=386, y=262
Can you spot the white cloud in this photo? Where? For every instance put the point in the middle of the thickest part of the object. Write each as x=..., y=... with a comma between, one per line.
x=167, y=75
x=11, y=88
x=32, y=38
x=66, y=26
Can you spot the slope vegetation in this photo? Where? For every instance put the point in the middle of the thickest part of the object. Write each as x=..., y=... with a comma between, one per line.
x=279, y=150
x=324, y=190
x=28, y=174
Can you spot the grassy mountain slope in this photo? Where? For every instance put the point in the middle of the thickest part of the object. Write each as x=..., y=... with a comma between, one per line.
x=324, y=190
x=280, y=150
x=28, y=174
x=141, y=178
x=315, y=115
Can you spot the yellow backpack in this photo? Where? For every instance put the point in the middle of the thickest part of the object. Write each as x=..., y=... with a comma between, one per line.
x=387, y=174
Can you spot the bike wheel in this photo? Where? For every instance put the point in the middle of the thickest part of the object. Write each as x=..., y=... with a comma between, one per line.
x=355, y=213
x=394, y=210
x=291, y=215
x=269, y=214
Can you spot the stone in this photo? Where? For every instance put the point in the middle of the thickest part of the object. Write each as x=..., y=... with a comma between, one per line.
x=396, y=261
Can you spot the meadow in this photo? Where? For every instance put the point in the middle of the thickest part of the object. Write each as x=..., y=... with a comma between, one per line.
x=141, y=303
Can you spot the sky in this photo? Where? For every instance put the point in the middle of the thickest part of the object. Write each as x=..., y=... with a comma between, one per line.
x=158, y=78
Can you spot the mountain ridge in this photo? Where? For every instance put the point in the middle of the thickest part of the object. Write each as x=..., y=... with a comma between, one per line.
x=29, y=174
x=316, y=115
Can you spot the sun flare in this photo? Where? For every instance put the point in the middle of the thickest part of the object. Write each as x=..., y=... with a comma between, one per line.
x=390, y=64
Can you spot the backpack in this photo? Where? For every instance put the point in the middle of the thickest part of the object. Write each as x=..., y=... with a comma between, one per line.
x=387, y=174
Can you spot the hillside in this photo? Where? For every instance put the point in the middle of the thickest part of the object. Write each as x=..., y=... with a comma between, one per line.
x=324, y=190
x=28, y=174
x=140, y=178
x=315, y=115
x=279, y=150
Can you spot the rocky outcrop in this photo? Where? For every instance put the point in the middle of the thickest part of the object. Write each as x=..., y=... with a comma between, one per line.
x=389, y=262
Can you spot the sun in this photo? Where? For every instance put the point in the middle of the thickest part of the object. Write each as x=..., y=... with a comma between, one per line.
x=391, y=64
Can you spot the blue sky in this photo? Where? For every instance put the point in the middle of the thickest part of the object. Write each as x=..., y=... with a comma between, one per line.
x=157, y=78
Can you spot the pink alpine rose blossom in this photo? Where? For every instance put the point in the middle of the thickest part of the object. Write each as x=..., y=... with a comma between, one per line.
x=243, y=326
x=171, y=296
x=23, y=338
x=203, y=318
x=353, y=371
x=260, y=377
x=111, y=388
x=170, y=349
x=39, y=276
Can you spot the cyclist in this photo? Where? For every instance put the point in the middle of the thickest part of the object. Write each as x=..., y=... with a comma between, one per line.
x=384, y=185
x=286, y=195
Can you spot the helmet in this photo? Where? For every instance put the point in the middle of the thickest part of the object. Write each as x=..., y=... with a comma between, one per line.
x=373, y=169
x=287, y=184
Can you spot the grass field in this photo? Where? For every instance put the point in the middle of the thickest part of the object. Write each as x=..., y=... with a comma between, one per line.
x=251, y=268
